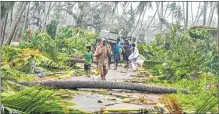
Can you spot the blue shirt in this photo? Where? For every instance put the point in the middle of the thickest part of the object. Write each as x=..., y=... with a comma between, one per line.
x=117, y=48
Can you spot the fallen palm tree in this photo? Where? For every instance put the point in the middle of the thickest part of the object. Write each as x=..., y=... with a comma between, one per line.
x=79, y=60
x=70, y=84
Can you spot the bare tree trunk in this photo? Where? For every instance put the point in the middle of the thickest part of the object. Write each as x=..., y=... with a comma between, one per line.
x=66, y=84
x=187, y=15
x=192, y=12
x=205, y=13
x=166, y=10
x=26, y=18
x=161, y=16
x=24, y=27
x=11, y=15
x=197, y=11
x=211, y=15
x=15, y=21
x=151, y=21
x=4, y=28
x=46, y=16
x=138, y=21
x=218, y=34
x=218, y=29
x=184, y=19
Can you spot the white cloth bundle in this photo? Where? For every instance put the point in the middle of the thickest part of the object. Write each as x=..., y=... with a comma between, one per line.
x=134, y=55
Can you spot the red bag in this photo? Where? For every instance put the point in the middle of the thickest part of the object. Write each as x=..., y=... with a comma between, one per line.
x=96, y=54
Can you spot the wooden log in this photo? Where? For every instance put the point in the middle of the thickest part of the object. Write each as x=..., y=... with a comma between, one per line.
x=71, y=84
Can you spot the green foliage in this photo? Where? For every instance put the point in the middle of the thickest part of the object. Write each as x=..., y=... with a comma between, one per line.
x=38, y=99
x=48, y=63
x=44, y=43
x=51, y=28
x=201, y=32
x=201, y=89
x=9, y=53
x=11, y=78
x=70, y=39
x=182, y=56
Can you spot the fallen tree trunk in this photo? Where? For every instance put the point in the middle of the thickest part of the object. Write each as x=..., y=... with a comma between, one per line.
x=68, y=84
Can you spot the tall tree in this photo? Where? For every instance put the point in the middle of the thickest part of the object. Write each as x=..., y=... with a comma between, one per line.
x=218, y=29
x=192, y=12
x=211, y=14
x=205, y=12
x=16, y=19
x=187, y=15
x=5, y=9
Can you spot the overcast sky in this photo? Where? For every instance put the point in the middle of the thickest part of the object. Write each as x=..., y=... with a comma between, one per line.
x=151, y=12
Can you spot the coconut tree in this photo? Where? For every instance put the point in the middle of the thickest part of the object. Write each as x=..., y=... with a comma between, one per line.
x=205, y=12
x=16, y=19
x=187, y=15
x=104, y=84
x=211, y=13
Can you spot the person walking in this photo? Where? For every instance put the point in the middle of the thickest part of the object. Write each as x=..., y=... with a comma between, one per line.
x=107, y=44
x=102, y=59
x=116, y=53
x=88, y=60
x=134, y=56
x=127, y=52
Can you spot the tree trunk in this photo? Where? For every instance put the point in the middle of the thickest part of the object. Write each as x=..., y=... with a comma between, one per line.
x=15, y=22
x=138, y=21
x=151, y=20
x=192, y=12
x=46, y=16
x=161, y=16
x=205, y=13
x=218, y=29
x=4, y=29
x=105, y=85
x=166, y=10
x=197, y=11
x=211, y=16
x=1, y=24
x=184, y=19
x=187, y=15
x=26, y=19
x=11, y=15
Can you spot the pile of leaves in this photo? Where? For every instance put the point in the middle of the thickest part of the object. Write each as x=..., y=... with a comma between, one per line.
x=37, y=99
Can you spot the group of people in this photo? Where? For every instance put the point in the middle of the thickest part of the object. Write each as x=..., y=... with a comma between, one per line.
x=104, y=52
